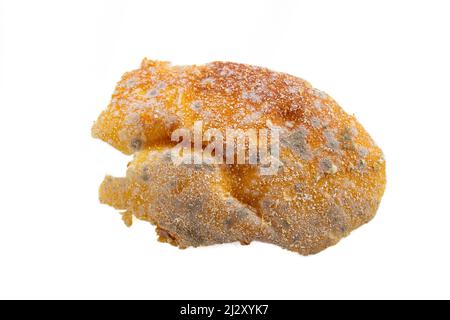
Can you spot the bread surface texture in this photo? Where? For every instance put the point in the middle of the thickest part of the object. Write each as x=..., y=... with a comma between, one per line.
x=331, y=174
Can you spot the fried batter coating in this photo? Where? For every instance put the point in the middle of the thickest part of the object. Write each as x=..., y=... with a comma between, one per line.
x=331, y=180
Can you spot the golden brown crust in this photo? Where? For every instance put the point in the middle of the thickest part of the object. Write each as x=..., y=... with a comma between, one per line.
x=331, y=182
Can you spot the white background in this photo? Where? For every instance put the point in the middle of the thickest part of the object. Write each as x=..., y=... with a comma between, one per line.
x=385, y=61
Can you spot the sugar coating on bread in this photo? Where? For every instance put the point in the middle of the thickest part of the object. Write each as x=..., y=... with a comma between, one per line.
x=332, y=174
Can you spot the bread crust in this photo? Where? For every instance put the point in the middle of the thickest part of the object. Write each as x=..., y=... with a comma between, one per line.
x=331, y=180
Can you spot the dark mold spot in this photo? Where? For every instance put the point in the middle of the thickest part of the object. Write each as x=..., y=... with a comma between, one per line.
x=242, y=213
x=327, y=166
x=145, y=175
x=331, y=141
x=296, y=141
x=229, y=222
x=136, y=144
